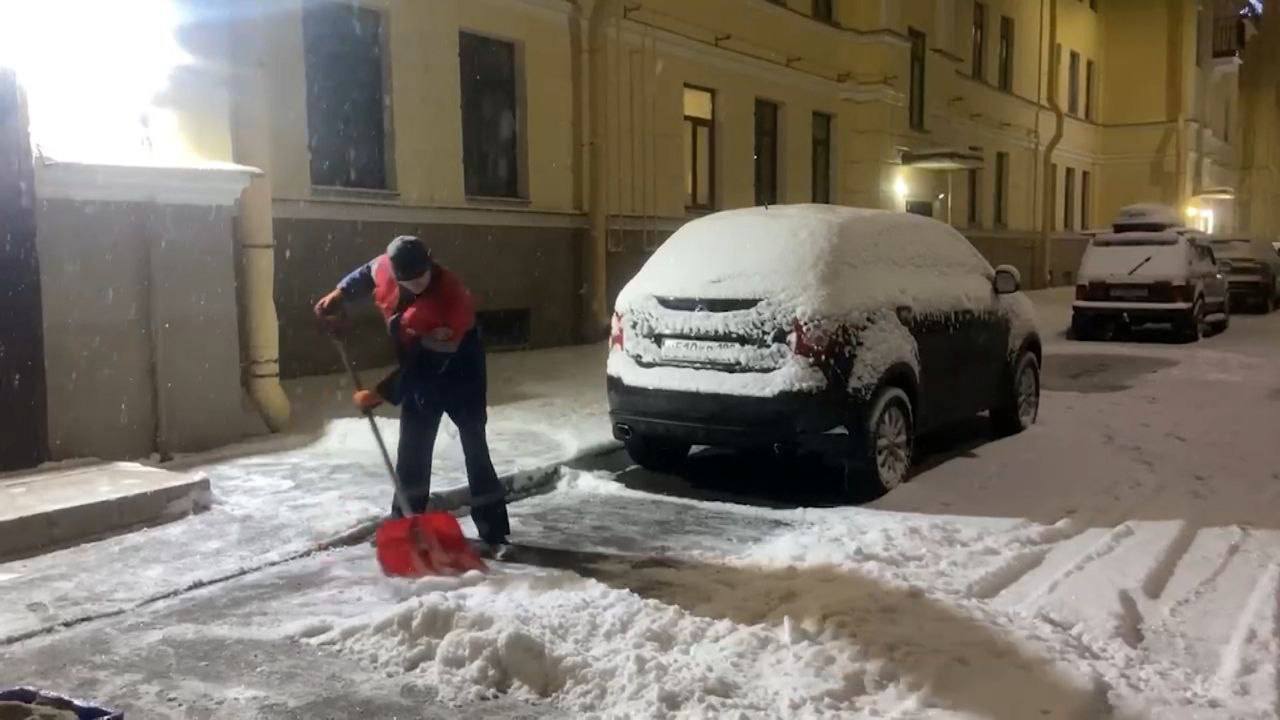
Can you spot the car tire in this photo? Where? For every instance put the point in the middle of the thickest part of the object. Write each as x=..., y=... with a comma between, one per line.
x=1018, y=406
x=1191, y=326
x=881, y=452
x=657, y=454
x=1220, y=326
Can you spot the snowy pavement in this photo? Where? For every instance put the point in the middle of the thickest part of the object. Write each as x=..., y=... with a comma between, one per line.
x=1121, y=559
x=279, y=498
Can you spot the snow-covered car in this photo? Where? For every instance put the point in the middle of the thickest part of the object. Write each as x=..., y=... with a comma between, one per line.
x=817, y=327
x=1252, y=268
x=1149, y=270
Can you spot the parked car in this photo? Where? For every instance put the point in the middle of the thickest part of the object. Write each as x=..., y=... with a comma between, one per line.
x=1252, y=268
x=1149, y=269
x=817, y=327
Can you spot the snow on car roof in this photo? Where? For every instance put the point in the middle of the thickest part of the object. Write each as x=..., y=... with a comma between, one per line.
x=818, y=257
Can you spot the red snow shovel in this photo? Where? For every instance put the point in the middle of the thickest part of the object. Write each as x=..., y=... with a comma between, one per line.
x=429, y=543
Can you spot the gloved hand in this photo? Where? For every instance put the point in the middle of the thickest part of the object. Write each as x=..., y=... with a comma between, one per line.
x=329, y=312
x=366, y=400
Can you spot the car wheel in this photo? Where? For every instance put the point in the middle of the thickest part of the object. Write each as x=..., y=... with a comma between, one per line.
x=1191, y=326
x=1220, y=326
x=880, y=454
x=1019, y=404
x=657, y=454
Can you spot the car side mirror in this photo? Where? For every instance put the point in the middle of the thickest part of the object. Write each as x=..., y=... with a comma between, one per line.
x=1008, y=280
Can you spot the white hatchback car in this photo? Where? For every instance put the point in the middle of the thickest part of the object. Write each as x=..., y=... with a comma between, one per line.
x=823, y=327
x=1149, y=269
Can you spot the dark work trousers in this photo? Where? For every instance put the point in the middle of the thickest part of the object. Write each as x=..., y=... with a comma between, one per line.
x=459, y=392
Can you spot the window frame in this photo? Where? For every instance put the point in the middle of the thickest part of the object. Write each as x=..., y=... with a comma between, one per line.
x=1090, y=89
x=385, y=142
x=766, y=151
x=1073, y=83
x=1004, y=70
x=916, y=93
x=973, y=179
x=1069, y=198
x=1000, y=209
x=826, y=144
x=692, y=123
x=823, y=11
x=978, y=42
x=1086, y=206
x=518, y=155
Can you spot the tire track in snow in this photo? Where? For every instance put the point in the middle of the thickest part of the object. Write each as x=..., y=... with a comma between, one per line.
x=1039, y=540
x=1255, y=643
x=1100, y=549
x=1202, y=587
x=1157, y=577
x=994, y=581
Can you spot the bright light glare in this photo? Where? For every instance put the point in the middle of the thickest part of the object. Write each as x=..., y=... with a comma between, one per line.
x=92, y=70
x=900, y=188
x=1193, y=212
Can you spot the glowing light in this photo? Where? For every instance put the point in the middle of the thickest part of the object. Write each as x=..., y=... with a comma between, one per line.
x=1207, y=215
x=900, y=187
x=1193, y=212
x=93, y=71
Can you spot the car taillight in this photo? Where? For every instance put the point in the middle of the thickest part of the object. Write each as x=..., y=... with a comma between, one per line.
x=1082, y=292
x=809, y=342
x=615, y=332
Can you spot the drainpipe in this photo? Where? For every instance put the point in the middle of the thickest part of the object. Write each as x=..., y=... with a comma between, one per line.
x=599, y=15
x=1046, y=219
x=251, y=140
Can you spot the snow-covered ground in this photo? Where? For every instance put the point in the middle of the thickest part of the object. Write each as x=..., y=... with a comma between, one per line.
x=1121, y=559
x=281, y=497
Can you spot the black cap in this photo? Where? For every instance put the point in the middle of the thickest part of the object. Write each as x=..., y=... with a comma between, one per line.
x=409, y=257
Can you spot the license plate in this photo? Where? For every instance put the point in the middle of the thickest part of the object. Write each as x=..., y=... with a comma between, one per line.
x=682, y=350
x=1128, y=293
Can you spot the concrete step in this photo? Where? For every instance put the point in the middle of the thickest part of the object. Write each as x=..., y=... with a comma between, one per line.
x=55, y=508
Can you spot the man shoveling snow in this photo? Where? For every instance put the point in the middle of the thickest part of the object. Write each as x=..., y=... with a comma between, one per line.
x=431, y=318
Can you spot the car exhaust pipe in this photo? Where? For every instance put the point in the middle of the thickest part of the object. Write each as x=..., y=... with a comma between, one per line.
x=622, y=431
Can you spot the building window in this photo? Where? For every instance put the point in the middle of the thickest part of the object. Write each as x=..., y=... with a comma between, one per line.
x=917, y=78
x=824, y=10
x=346, y=107
x=1086, y=187
x=1090, y=88
x=1006, y=53
x=766, y=153
x=1073, y=84
x=699, y=148
x=979, y=40
x=975, y=205
x=1069, y=199
x=821, y=158
x=1053, y=193
x=490, y=128
x=1000, y=208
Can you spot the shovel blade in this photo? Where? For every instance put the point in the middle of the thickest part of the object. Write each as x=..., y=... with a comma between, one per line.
x=427, y=544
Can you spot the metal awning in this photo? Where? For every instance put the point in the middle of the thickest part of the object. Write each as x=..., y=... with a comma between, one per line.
x=1216, y=193
x=942, y=159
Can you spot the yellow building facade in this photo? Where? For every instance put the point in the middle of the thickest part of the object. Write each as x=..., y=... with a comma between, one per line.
x=546, y=147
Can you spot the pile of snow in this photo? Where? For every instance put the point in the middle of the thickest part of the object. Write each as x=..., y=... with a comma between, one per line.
x=780, y=631
x=818, y=259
